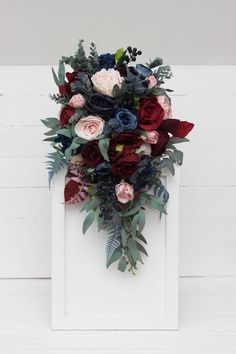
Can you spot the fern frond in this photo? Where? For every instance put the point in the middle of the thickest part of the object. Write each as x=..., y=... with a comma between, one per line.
x=53, y=166
x=113, y=241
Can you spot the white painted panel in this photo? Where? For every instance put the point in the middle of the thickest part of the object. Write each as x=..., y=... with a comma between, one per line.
x=85, y=295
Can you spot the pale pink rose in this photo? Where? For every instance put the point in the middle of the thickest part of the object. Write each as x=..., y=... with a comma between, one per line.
x=104, y=81
x=144, y=149
x=89, y=127
x=124, y=192
x=165, y=104
x=151, y=138
x=77, y=101
x=152, y=81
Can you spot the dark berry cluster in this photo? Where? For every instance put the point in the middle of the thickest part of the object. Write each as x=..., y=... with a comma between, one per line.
x=131, y=54
x=106, y=192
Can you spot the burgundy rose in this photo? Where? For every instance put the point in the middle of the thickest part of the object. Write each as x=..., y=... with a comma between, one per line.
x=124, y=163
x=71, y=76
x=177, y=127
x=151, y=114
x=91, y=154
x=65, y=115
x=131, y=140
x=65, y=89
x=160, y=146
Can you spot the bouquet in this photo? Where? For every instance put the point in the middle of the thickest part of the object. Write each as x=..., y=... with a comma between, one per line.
x=114, y=135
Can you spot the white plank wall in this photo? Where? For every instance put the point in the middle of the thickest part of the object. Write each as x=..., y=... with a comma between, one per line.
x=205, y=95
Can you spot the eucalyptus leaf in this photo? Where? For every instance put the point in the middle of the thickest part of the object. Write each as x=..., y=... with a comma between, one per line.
x=57, y=161
x=64, y=132
x=141, y=249
x=156, y=203
x=175, y=140
x=141, y=220
x=124, y=237
x=134, y=224
x=51, y=123
x=61, y=73
x=170, y=165
x=104, y=146
x=133, y=249
x=55, y=77
x=88, y=221
x=141, y=238
x=115, y=256
x=122, y=264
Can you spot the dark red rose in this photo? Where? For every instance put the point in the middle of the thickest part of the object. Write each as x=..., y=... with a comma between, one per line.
x=65, y=89
x=71, y=76
x=160, y=146
x=124, y=163
x=177, y=127
x=65, y=115
x=151, y=114
x=91, y=154
x=131, y=140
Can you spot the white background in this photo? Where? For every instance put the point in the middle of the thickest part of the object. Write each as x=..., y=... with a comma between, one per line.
x=180, y=31
x=204, y=95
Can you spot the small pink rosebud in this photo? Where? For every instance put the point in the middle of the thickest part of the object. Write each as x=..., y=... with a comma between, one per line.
x=77, y=101
x=124, y=192
x=152, y=81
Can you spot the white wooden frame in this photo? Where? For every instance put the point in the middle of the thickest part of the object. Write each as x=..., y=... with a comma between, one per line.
x=169, y=315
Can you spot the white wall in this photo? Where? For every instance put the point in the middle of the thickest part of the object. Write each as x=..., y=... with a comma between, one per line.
x=204, y=95
x=181, y=31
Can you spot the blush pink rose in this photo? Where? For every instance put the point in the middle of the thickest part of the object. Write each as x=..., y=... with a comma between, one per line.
x=151, y=138
x=124, y=192
x=152, y=81
x=77, y=101
x=89, y=127
x=165, y=104
x=104, y=81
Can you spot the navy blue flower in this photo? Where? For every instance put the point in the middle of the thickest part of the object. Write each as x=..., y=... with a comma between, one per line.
x=106, y=61
x=112, y=126
x=143, y=70
x=143, y=174
x=126, y=119
x=103, y=168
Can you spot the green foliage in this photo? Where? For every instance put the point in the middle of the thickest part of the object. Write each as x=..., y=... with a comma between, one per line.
x=88, y=221
x=93, y=57
x=59, y=98
x=79, y=60
x=132, y=247
x=113, y=243
x=119, y=54
x=104, y=146
x=157, y=203
x=163, y=73
x=115, y=256
x=154, y=63
x=122, y=264
x=55, y=162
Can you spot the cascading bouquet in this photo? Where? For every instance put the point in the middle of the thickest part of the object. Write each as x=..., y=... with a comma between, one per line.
x=115, y=134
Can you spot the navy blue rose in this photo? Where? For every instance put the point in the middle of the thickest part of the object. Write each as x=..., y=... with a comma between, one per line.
x=127, y=120
x=143, y=174
x=106, y=61
x=103, y=168
x=112, y=126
